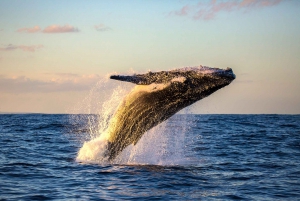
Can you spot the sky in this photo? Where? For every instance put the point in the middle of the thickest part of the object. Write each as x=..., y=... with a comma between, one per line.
x=53, y=53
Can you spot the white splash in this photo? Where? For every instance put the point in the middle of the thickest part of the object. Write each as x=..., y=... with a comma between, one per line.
x=93, y=151
x=160, y=145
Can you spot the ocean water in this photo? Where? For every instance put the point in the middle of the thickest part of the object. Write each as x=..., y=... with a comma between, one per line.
x=189, y=157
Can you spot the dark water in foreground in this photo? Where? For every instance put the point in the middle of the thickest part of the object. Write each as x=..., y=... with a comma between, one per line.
x=250, y=157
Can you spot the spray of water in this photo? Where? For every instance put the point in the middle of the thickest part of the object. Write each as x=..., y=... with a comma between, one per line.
x=162, y=145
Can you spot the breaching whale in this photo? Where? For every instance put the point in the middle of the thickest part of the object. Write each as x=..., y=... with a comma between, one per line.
x=156, y=97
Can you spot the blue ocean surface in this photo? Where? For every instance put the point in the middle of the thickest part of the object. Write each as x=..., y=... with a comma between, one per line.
x=202, y=157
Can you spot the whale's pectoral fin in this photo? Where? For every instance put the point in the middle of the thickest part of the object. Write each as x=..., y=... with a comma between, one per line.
x=134, y=79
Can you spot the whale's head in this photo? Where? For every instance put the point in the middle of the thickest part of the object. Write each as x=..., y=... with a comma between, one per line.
x=207, y=74
x=199, y=82
x=200, y=79
x=205, y=78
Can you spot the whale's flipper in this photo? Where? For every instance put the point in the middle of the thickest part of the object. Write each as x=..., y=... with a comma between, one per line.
x=134, y=79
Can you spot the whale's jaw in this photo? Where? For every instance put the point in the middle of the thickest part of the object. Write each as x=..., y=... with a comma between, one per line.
x=158, y=96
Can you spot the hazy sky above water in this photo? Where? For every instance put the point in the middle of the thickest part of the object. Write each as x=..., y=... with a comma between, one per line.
x=52, y=53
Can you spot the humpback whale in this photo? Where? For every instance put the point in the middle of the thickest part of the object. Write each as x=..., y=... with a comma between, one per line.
x=155, y=98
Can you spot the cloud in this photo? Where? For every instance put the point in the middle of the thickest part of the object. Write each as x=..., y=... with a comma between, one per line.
x=30, y=48
x=9, y=47
x=50, y=29
x=25, y=48
x=65, y=75
x=102, y=27
x=60, y=82
x=183, y=11
x=208, y=11
x=29, y=30
x=60, y=29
